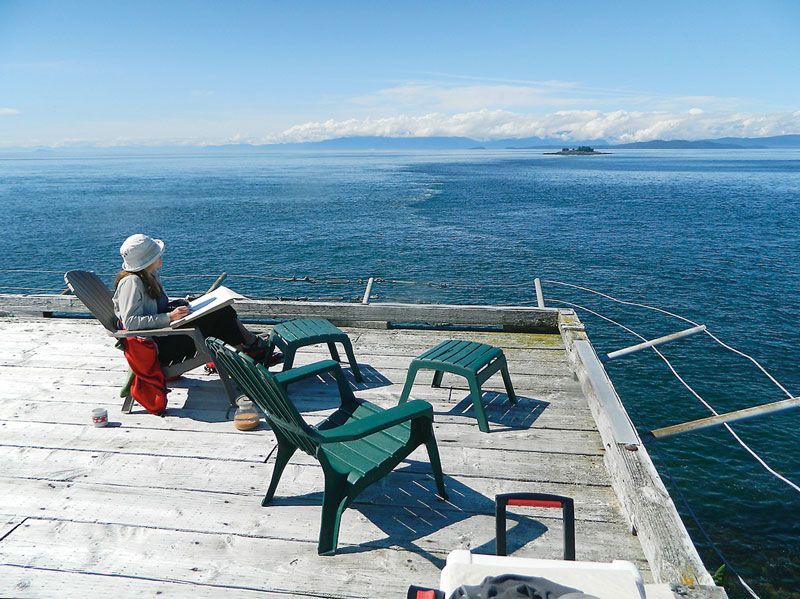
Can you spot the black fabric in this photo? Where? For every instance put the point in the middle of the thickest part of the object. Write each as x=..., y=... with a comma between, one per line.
x=222, y=323
x=162, y=303
x=513, y=586
x=172, y=304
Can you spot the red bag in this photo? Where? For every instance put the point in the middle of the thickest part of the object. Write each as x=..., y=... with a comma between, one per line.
x=149, y=388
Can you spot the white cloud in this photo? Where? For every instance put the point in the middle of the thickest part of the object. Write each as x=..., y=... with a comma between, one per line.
x=8, y=111
x=617, y=125
x=464, y=98
x=565, y=125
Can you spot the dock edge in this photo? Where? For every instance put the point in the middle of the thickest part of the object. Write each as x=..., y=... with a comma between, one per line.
x=644, y=499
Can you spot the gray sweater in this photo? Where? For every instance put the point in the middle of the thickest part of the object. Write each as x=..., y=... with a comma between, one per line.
x=135, y=308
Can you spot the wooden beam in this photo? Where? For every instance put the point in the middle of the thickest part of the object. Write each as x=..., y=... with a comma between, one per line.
x=720, y=419
x=516, y=318
x=643, y=497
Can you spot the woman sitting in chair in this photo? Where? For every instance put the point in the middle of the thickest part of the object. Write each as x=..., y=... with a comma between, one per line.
x=141, y=303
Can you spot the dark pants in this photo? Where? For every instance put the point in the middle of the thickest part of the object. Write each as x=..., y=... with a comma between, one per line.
x=221, y=324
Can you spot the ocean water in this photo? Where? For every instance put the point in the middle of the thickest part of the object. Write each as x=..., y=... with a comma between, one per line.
x=711, y=235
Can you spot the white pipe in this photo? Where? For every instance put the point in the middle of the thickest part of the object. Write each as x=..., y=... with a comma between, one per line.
x=696, y=425
x=653, y=342
x=539, y=295
x=367, y=292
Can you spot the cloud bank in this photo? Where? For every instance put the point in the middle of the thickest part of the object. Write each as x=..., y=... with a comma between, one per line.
x=614, y=126
x=8, y=111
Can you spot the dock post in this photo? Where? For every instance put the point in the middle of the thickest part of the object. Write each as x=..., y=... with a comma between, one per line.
x=368, y=291
x=539, y=295
x=218, y=282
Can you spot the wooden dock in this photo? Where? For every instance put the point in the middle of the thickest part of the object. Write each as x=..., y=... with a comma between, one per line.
x=171, y=505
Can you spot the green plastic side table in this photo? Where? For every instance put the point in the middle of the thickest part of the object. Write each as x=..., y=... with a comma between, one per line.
x=291, y=335
x=474, y=361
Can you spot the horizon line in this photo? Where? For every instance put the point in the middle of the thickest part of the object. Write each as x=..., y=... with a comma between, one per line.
x=546, y=141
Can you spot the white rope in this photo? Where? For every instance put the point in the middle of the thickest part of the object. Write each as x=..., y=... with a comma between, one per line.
x=679, y=317
x=705, y=403
x=710, y=408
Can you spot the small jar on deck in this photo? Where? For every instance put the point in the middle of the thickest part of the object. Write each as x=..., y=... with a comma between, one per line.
x=246, y=417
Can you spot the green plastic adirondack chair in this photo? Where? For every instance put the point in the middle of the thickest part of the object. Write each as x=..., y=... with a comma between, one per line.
x=357, y=445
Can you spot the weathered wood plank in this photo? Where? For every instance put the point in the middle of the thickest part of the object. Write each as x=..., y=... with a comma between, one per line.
x=153, y=481
x=517, y=317
x=456, y=460
x=526, y=355
x=29, y=582
x=300, y=485
x=40, y=330
x=644, y=498
x=202, y=389
x=9, y=521
x=44, y=358
x=110, y=373
x=250, y=446
x=436, y=525
x=414, y=338
x=231, y=559
x=383, y=363
x=472, y=462
x=68, y=385
x=221, y=560
x=203, y=407
x=96, y=343
x=462, y=432
x=526, y=362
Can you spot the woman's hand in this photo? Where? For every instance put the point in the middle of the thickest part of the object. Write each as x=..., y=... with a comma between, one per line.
x=178, y=312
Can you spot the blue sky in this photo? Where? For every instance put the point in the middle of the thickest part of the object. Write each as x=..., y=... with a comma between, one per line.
x=197, y=72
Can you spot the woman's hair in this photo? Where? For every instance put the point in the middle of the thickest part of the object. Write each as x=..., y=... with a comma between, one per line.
x=151, y=285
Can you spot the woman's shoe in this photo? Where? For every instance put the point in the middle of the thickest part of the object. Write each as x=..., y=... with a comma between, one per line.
x=258, y=349
x=275, y=358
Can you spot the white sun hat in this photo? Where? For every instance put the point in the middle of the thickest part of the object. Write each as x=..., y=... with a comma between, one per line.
x=139, y=251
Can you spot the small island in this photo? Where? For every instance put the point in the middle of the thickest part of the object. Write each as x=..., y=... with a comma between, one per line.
x=579, y=151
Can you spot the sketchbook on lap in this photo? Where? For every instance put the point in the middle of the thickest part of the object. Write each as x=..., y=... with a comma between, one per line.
x=206, y=304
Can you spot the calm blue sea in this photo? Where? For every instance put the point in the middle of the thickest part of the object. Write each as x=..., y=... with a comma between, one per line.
x=712, y=235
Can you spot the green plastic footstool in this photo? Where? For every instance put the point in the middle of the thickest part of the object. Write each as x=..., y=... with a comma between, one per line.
x=474, y=361
x=292, y=335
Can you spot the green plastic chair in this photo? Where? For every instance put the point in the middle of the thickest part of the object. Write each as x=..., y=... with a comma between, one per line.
x=88, y=288
x=357, y=445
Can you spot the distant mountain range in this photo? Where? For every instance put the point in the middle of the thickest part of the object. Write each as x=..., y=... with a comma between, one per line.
x=722, y=143
x=441, y=143
x=466, y=143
